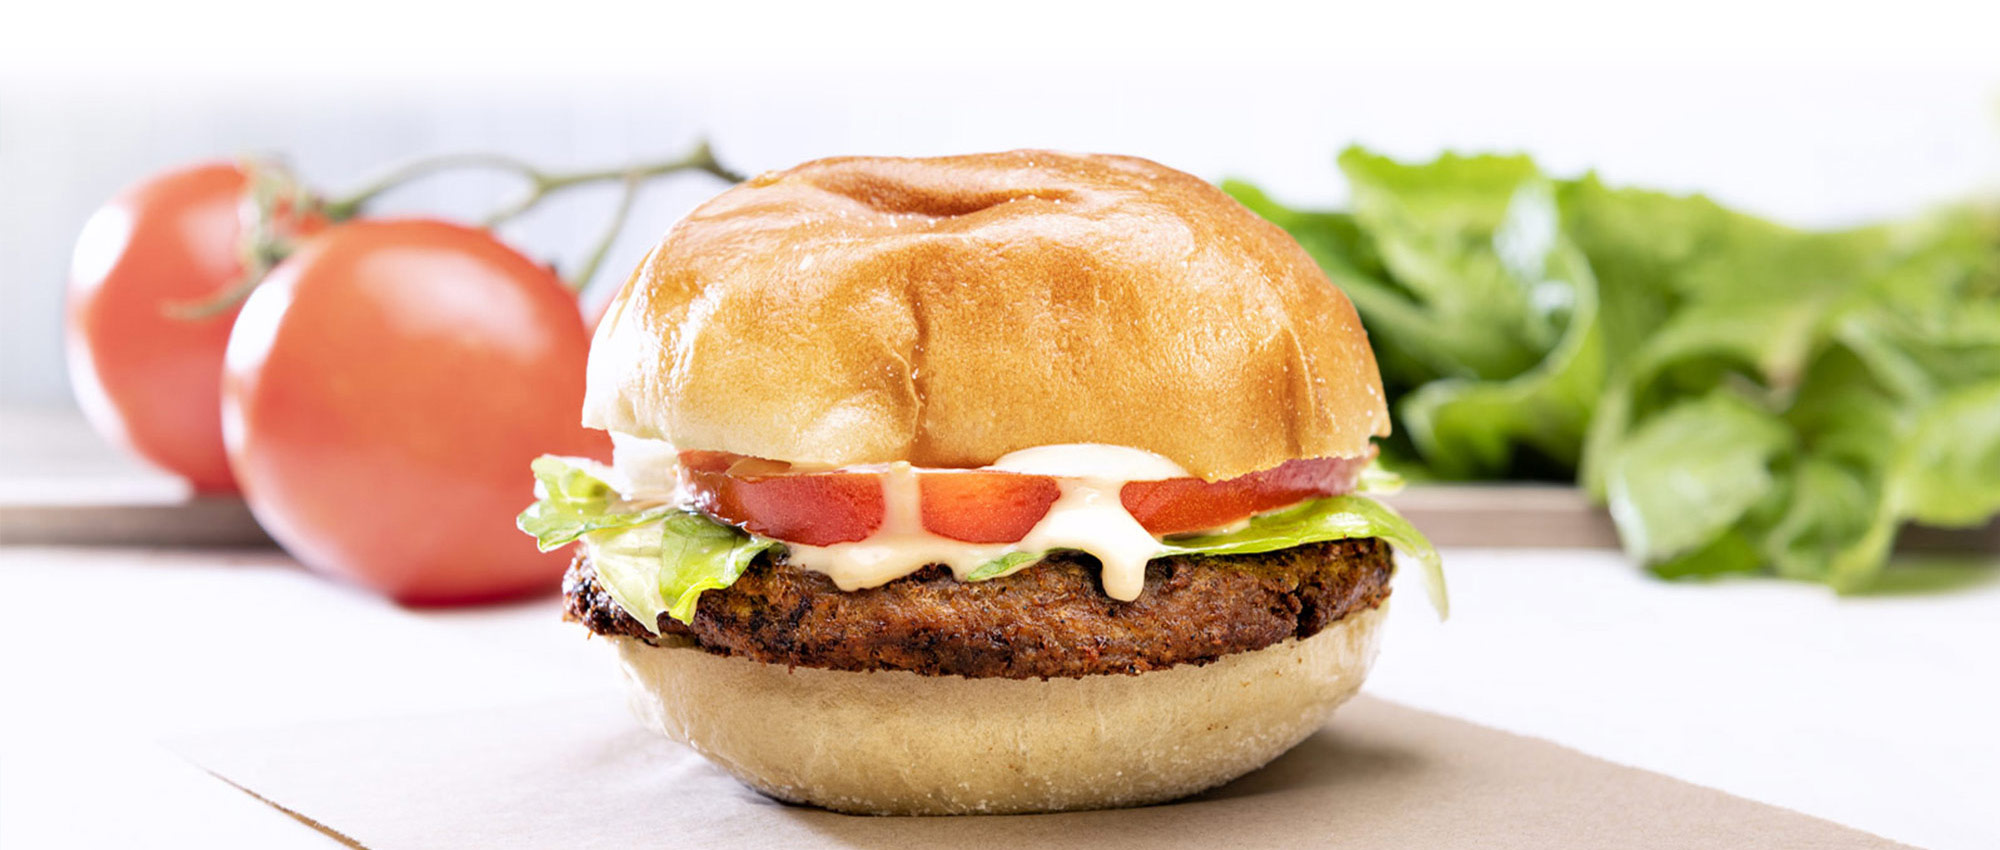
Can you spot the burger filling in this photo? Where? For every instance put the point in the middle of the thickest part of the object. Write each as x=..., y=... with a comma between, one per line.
x=1052, y=620
x=661, y=528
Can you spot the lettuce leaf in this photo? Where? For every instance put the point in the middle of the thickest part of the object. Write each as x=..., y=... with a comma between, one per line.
x=1463, y=426
x=572, y=500
x=652, y=560
x=1379, y=480
x=1746, y=396
x=1691, y=473
x=1950, y=475
x=1331, y=518
x=1462, y=238
x=1482, y=312
x=663, y=568
x=1012, y=562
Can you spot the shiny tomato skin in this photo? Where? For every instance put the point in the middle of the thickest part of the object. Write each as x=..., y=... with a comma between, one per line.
x=147, y=380
x=816, y=510
x=1178, y=505
x=384, y=389
x=704, y=461
x=984, y=507
x=980, y=506
x=822, y=509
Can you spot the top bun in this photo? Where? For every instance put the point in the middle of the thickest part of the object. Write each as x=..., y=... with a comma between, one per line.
x=946, y=311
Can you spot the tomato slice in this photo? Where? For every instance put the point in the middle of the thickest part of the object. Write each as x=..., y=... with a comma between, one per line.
x=820, y=509
x=1179, y=505
x=706, y=461
x=816, y=510
x=984, y=507
x=975, y=506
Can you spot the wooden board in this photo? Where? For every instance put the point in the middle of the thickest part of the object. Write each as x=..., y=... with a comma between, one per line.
x=62, y=485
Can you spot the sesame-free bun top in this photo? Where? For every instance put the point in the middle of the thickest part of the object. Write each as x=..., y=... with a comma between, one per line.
x=946, y=311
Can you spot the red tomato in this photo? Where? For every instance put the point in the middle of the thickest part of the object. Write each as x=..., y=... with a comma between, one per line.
x=147, y=380
x=819, y=509
x=385, y=387
x=1178, y=505
x=816, y=510
x=984, y=507
x=704, y=461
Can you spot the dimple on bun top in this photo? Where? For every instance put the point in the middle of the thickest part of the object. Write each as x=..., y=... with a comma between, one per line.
x=947, y=311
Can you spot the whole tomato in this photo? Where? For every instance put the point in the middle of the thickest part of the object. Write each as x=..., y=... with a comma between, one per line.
x=385, y=387
x=145, y=379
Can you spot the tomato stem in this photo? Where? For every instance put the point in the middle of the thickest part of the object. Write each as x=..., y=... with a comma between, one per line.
x=588, y=271
x=274, y=191
x=409, y=172
x=542, y=184
x=277, y=193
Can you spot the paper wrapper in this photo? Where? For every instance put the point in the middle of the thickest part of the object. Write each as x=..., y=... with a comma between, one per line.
x=582, y=774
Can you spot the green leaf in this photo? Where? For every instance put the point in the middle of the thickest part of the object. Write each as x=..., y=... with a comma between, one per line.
x=663, y=567
x=1004, y=565
x=1693, y=296
x=1689, y=474
x=1332, y=518
x=697, y=554
x=1952, y=473
x=651, y=559
x=1837, y=525
x=573, y=501
x=1745, y=395
x=1732, y=552
x=1408, y=340
x=1379, y=480
x=1461, y=238
x=1467, y=428
x=1485, y=323
x=627, y=563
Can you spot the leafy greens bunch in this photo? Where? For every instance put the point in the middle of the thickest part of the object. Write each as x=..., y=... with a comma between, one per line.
x=1745, y=396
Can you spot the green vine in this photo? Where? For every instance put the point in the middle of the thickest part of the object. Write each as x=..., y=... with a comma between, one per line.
x=279, y=201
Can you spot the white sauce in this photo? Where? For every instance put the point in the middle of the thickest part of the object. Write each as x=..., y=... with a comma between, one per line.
x=900, y=547
x=1090, y=460
x=1090, y=518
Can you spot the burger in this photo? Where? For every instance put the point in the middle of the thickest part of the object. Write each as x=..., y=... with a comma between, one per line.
x=1011, y=482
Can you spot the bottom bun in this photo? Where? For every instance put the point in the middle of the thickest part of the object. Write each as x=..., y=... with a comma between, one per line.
x=896, y=743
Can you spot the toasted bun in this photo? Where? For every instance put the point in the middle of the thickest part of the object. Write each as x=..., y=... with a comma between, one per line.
x=903, y=744
x=948, y=311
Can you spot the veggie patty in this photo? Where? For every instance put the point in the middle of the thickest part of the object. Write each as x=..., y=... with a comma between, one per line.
x=1050, y=620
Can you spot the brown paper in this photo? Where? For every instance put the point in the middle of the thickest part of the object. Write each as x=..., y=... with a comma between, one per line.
x=582, y=774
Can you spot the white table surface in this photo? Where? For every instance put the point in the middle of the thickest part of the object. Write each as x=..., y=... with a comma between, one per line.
x=1875, y=712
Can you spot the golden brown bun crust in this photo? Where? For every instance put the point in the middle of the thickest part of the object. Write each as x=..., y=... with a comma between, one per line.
x=893, y=742
x=948, y=311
